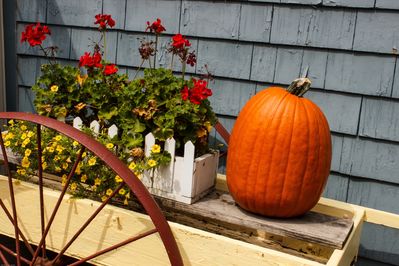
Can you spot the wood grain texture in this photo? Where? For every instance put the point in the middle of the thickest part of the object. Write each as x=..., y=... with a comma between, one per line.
x=263, y=63
x=389, y=4
x=372, y=34
x=255, y=22
x=31, y=10
x=117, y=9
x=337, y=187
x=138, y=12
x=288, y=65
x=307, y=26
x=349, y=3
x=342, y=110
x=380, y=119
x=128, y=53
x=346, y=72
x=25, y=100
x=216, y=19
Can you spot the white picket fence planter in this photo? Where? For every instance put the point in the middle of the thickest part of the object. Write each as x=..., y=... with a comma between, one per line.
x=186, y=179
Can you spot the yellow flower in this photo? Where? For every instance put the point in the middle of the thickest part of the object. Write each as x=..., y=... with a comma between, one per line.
x=58, y=137
x=92, y=161
x=84, y=154
x=65, y=166
x=7, y=143
x=54, y=88
x=50, y=149
x=11, y=122
x=69, y=160
x=109, y=145
x=132, y=166
x=30, y=134
x=104, y=198
x=64, y=179
x=58, y=169
x=80, y=106
x=44, y=165
x=73, y=186
x=75, y=143
x=81, y=79
x=152, y=163
x=118, y=179
x=208, y=126
x=83, y=178
x=127, y=195
x=27, y=152
x=125, y=202
x=9, y=135
x=23, y=136
x=139, y=175
x=97, y=181
x=57, y=158
x=109, y=192
x=25, y=142
x=122, y=191
x=202, y=132
x=25, y=162
x=60, y=149
x=21, y=171
x=156, y=148
x=23, y=127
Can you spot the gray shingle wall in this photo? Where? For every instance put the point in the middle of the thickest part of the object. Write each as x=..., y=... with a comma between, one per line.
x=350, y=47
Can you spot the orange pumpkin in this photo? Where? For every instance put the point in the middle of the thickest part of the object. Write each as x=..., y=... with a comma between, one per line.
x=279, y=153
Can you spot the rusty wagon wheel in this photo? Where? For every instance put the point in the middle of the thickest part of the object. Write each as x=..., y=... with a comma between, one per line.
x=38, y=254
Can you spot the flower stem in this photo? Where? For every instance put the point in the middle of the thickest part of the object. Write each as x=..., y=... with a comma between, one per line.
x=171, y=63
x=183, y=68
x=156, y=46
x=141, y=65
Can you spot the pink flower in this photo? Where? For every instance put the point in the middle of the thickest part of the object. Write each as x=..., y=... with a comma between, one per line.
x=103, y=20
x=87, y=60
x=35, y=34
x=155, y=26
x=110, y=69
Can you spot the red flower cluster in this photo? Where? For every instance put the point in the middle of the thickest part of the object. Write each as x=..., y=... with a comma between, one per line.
x=179, y=42
x=91, y=61
x=191, y=59
x=103, y=20
x=196, y=94
x=110, y=69
x=35, y=34
x=155, y=26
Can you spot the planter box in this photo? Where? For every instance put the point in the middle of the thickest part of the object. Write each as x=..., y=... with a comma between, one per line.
x=186, y=179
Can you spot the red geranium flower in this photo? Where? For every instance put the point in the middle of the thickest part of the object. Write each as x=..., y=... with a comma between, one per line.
x=184, y=93
x=87, y=60
x=198, y=93
x=155, y=26
x=35, y=34
x=179, y=42
x=110, y=69
x=103, y=20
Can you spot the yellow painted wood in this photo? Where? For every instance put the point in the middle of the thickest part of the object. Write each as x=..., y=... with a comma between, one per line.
x=114, y=224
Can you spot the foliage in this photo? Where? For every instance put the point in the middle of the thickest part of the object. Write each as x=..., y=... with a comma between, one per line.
x=159, y=102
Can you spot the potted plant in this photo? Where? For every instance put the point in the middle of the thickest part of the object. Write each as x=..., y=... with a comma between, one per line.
x=157, y=123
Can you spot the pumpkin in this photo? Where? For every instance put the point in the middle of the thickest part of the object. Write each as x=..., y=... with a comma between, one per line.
x=279, y=153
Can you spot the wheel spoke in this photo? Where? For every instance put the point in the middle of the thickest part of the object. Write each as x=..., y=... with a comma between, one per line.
x=127, y=241
x=3, y=259
x=57, y=206
x=40, y=174
x=11, y=188
x=28, y=246
x=89, y=221
x=12, y=253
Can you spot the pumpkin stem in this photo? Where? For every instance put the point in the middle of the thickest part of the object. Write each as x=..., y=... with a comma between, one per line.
x=299, y=86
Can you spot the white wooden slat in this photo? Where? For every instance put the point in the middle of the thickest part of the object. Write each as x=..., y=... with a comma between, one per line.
x=188, y=169
x=164, y=177
x=95, y=126
x=112, y=131
x=77, y=123
x=149, y=141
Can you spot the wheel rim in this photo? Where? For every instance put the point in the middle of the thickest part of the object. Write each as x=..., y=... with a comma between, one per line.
x=38, y=255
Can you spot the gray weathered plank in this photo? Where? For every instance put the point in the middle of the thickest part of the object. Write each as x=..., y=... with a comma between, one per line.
x=226, y=59
x=380, y=243
x=360, y=73
x=395, y=89
x=370, y=159
x=28, y=69
x=138, y=12
x=128, y=49
x=342, y=110
x=332, y=28
x=361, y=261
x=376, y=195
x=263, y=63
x=230, y=96
x=349, y=3
x=255, y=22
x=30, y=10
x=60, y=37
x=337, y=142
x=288, y=65
x=164, y=58
x=337, y=187
x=117, y=9
x=389, y=4
x=83, y=41
x=25, y=100
x=380, y=119
x=73, y=12
x=210, y=19
x=316, y=61
x=303, y=2
x=375, y=32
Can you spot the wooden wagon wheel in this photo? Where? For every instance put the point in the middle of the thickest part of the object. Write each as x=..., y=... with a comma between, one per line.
x=38, y=256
